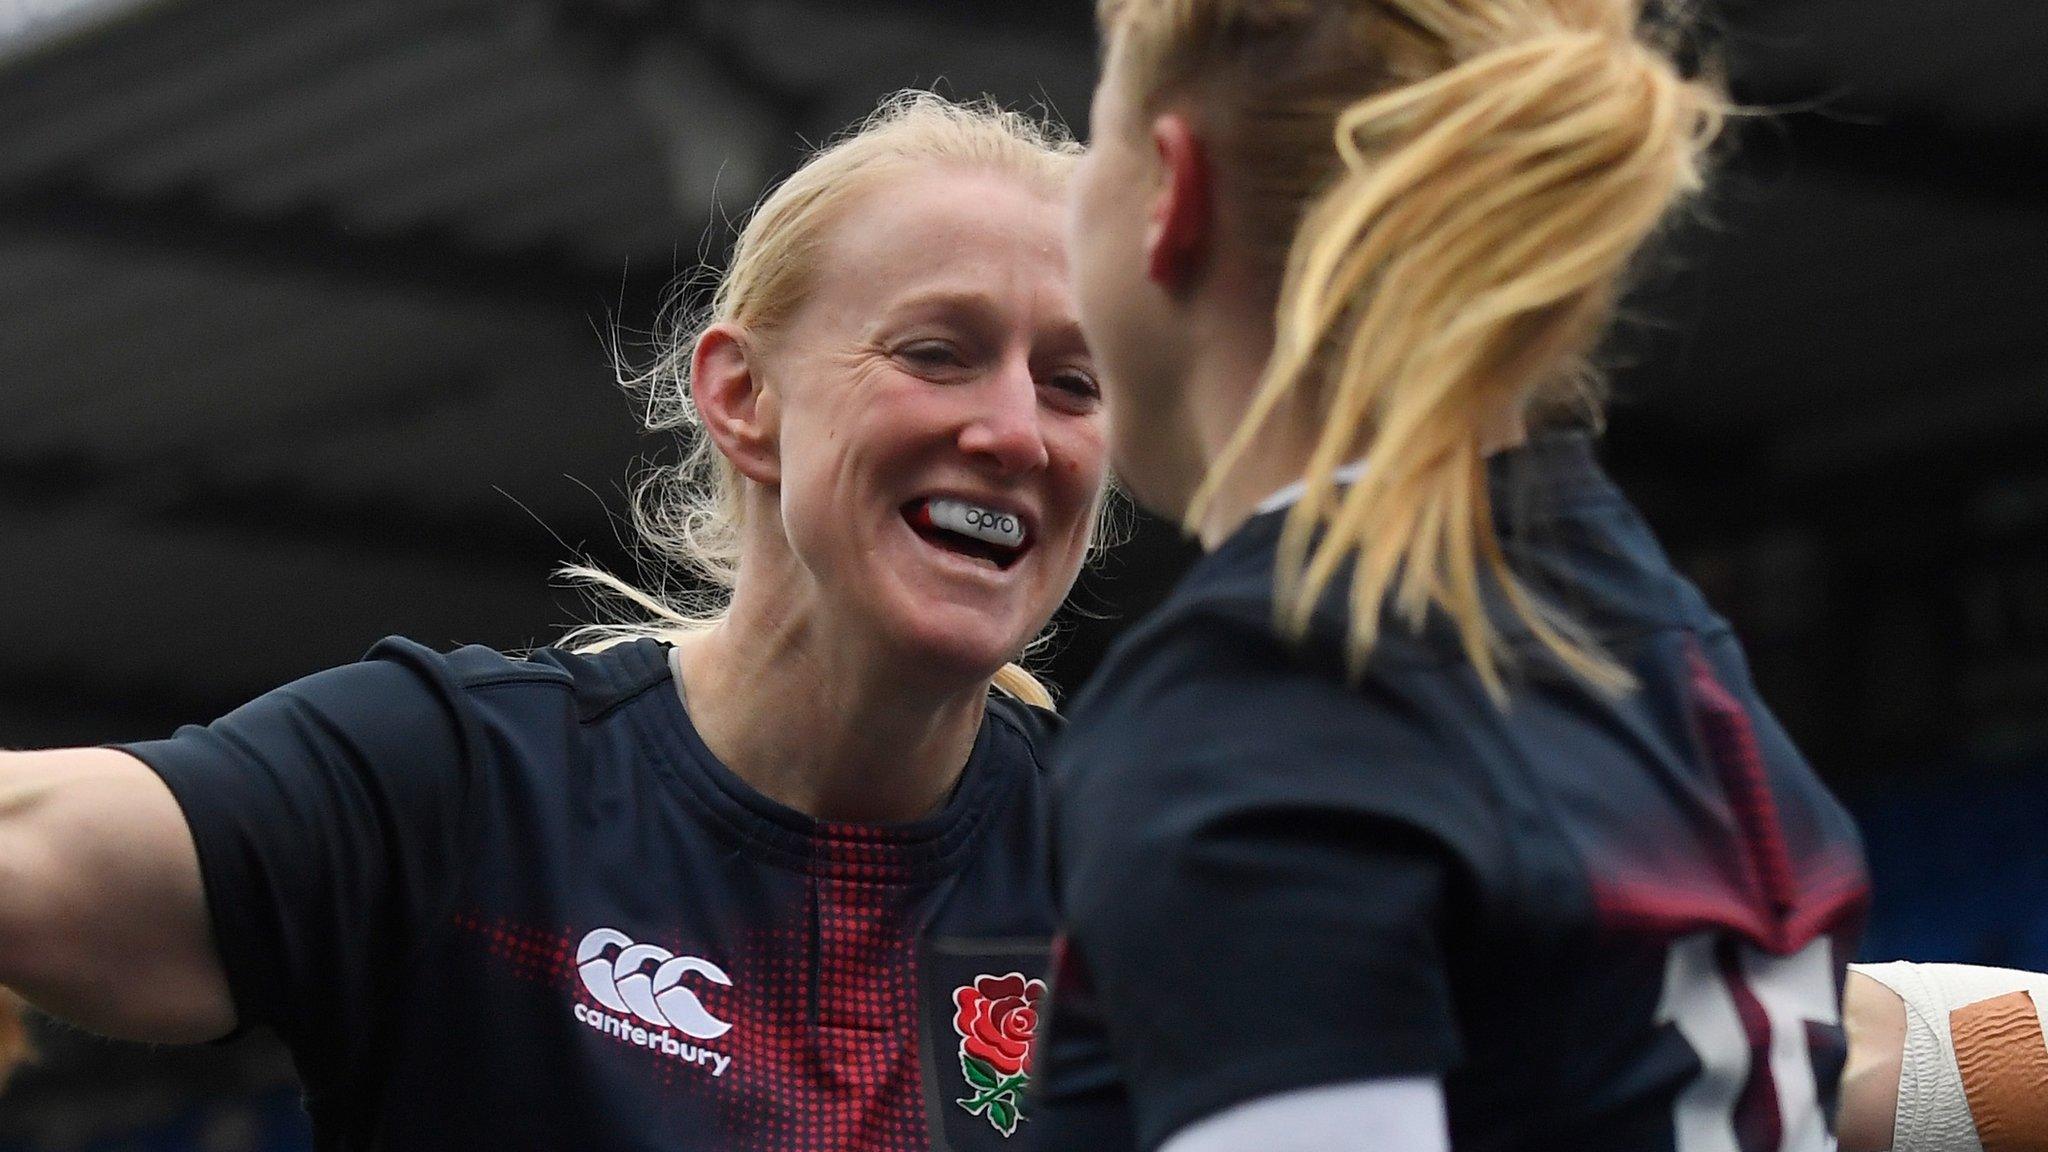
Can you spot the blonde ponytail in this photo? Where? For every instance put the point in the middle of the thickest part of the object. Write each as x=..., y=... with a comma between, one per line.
x=1462, y=253
x=1017, y=682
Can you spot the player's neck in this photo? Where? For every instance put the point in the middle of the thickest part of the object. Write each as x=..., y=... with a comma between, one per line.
x=1223, y=377
x=830, y=734
x=1222, y=381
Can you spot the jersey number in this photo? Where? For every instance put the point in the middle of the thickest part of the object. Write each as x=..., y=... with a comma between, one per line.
x=1753, y=1020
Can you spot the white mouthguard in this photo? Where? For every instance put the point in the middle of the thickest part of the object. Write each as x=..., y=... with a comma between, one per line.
x=1003, y=529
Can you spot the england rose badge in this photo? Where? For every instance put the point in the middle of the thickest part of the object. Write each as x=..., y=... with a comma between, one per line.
x=997, y=1019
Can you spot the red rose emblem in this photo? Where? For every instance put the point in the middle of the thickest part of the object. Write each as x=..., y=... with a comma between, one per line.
x=996, y=1017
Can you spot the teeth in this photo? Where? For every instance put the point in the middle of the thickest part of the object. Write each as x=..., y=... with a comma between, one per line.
x=1002, y=529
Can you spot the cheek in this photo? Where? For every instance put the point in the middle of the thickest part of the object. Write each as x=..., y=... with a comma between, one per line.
x=1081, y=206
x=1081, y=465
x=1104, y=218
x=1140, y=387
x=816, y=497
x=836, y=446
x=1086, y=226
x=1090, y=435
x=1095, y=275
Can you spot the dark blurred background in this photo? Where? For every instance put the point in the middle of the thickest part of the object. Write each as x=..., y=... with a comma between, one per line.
x=304, y=314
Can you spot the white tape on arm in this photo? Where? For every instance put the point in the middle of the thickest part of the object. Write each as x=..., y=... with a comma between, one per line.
x=1969, y=1078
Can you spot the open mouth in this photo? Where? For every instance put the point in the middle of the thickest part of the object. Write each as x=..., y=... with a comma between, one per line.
x=991, y=535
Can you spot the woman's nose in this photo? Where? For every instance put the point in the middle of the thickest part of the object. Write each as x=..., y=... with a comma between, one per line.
x=1005, y=428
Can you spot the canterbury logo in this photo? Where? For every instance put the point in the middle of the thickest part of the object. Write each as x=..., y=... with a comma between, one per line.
x=646, y=980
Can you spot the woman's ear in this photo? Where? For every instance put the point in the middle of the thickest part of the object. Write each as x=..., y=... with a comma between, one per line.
x=738, y=412
x=1181, y=231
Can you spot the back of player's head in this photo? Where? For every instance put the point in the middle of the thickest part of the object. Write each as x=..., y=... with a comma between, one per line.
x=1446, y=194
x=690, y=513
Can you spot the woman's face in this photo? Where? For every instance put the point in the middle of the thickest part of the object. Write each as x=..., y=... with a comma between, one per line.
x=1128, y=319
x=940, y=426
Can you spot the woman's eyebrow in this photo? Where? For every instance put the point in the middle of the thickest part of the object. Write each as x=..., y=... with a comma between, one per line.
x=977, y=307
x=966, y=300
x=1064, y=338
x=977, y=312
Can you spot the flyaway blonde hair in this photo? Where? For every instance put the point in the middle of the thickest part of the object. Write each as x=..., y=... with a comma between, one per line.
x=688, y=514
x=1450, y=192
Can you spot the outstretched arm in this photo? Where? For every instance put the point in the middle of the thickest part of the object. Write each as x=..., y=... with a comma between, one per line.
x=102, y=917
x=1944, y=1058
x=1876, y=1023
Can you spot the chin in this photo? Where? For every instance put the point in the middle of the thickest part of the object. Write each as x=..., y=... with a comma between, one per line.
x=947, y=668
x=952, y=647
x=947, y=630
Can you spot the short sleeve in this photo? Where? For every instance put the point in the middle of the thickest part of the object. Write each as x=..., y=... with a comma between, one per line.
x=326, y=815
x=1258, y=867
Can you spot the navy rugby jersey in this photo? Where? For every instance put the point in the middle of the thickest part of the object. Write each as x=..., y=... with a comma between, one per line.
x=1608, y=924
x=517, y=904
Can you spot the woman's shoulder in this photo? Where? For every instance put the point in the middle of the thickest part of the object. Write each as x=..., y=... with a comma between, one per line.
x=1217, y=643
x=1030, y=721
x=1209, y=702
x=1026, y=730
x=592, y=683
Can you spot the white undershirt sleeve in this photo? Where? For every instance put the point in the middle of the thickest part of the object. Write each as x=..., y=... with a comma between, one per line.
x=1403, y=1114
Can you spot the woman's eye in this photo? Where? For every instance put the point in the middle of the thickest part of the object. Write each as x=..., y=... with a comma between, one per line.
x=1078, y=384
x=932, y=354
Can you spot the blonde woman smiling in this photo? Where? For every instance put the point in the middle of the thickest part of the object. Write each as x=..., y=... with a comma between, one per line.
x=766, y=873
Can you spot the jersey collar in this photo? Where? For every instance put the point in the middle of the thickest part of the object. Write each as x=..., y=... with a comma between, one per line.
x=1287, y=496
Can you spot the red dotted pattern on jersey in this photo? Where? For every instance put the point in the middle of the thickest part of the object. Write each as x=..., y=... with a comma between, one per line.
x=545, y=956
x=825, y=1051
x=548, y=957
x=824, y=1008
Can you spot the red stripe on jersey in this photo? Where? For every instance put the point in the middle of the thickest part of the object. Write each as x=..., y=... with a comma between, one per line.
x=1730, y=742
x=825, y=1047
